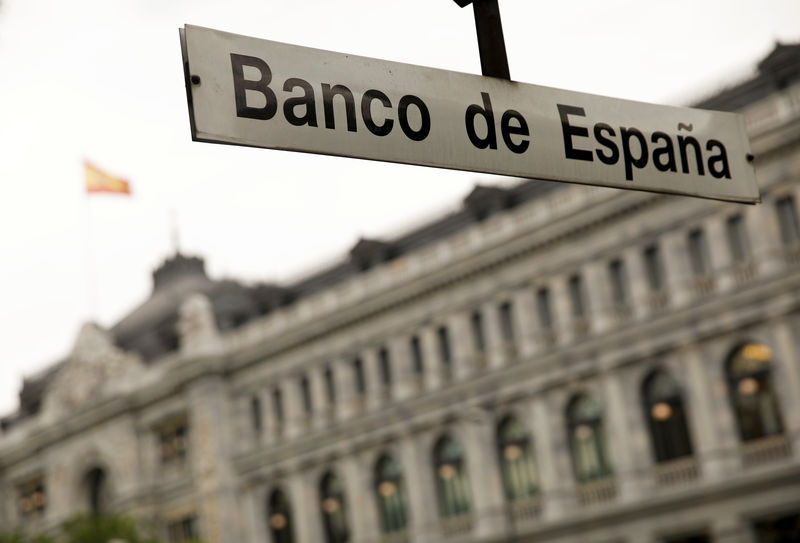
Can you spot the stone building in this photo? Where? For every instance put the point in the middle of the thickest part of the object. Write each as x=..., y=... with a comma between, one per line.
x=551, y=362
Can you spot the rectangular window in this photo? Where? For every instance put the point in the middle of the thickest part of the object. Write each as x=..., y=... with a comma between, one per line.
x=653, y=268
x=619, y=281
x=173, y=441
x=277, y=405
x=698, y=253
x=32, y=498
x=507, y=323
x=416, y=355
x=358, y=373
x=255, y=414
x=305, y=391
x=444, y=345
x=477, y=331
x=182, y=530
x=737, y=239
x=787, y=220
x=544, y=308
x=576, y=296
x=385, y=366
x=330, y=386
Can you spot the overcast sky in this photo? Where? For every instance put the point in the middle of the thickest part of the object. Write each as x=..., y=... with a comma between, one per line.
x=102, y=80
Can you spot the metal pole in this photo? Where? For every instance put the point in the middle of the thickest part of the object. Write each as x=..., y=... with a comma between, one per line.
x=491, y=44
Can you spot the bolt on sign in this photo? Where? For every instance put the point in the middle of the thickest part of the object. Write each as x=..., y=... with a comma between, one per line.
x=261, y=93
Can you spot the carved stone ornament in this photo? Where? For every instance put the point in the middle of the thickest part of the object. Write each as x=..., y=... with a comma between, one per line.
x=197, y=327
x=95, y=369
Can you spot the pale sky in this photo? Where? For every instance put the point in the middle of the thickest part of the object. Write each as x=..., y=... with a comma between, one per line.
x=102, y=80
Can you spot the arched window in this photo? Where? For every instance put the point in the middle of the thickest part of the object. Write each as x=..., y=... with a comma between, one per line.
x=663, y=407
x=751, y=391
x=332, y=505
x=390, y=495
x=520, y=478
x=280, y=517
x=96, y=490
x=451, y=480
x=587, y=440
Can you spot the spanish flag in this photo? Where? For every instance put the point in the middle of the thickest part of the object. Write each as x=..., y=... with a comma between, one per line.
x=99, y=181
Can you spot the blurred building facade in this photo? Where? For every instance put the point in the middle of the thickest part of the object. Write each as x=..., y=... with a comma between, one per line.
x=551, y=362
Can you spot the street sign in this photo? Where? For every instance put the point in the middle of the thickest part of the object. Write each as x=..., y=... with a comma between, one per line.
x=260, y=93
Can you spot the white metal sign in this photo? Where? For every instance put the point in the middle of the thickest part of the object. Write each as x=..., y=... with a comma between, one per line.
x=260, y=93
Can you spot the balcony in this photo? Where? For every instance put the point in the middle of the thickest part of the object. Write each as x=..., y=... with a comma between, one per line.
x=457, y=525
x=703, y=285
x=526, y=510
x=677, y=472
x=766, y=450
x=744, y=272
x=657, y=300
x=596, y=492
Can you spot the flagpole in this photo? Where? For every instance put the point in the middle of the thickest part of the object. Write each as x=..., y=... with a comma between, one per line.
x=91, y=261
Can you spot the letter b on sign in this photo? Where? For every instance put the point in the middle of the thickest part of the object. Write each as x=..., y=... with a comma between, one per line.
x=241, y=85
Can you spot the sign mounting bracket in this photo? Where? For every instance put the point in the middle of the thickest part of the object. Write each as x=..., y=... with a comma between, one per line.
x=491, y=44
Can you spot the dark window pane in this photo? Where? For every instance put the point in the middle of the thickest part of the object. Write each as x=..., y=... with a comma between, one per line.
x=385, y=367
x=255, y=413
x=653, y=268
x=616, y=272
x=390, y=492
x=787, y=220
x=698, y=252
x=476, y=320
x=737, y=238
x=330, y=386
x=444, y=345
x=416, y=354
x=277, y=404
x=358, y=375
x=752, y=393
x=664, y=411
x=576, y=296
x=305, y=391
x=783, y=529
x=544, y=309
x=280, y=518
x=507, y=322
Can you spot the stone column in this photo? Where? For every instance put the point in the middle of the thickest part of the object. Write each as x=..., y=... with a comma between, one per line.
x=705, y=432
x=677, y=274
x=764, y=232
x=372, y=374
x=599, y=311
x=562, y=309
x=323, y=411
x=786, y=379
x=294, y=412
x=552, y=457
x=524, y=306
x=303, y=489
x=256, y=523
x=405, y=383
x=483, y=473
x=462, y=345
x=719, y=253
x=416, y=459
x=638, y=288
x=345, y=381
x=627, y=465
x=359, y=515
x=431, y=360
x=493, y=335
x=210, y=450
